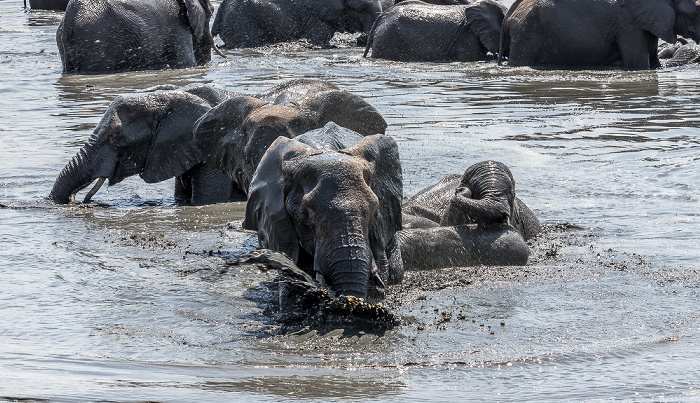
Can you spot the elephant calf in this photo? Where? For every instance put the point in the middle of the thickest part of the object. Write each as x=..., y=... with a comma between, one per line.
x=467, y=220
x=418, y=31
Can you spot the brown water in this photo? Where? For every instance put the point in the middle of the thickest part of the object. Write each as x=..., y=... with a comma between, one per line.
x=106, y=303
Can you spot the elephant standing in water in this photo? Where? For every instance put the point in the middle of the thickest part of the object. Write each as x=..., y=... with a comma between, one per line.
x=331, y=200
x=98, y=36
x=466, y=220
x=153, y=136
x=579, y=33
x=252, y=23
x=418, y=31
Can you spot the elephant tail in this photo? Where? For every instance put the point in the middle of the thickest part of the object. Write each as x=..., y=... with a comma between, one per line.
x=504, y=43
x=370, y=36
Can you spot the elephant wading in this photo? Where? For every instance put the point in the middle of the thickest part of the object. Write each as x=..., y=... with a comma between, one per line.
x=578, y=33
x=151, y=136
x=252, y=23
x=418, y=31
x=467, y=220
x=331, y=200
x=97, y=36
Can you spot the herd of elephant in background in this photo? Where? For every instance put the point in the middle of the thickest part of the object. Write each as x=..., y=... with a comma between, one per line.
x=322, y=181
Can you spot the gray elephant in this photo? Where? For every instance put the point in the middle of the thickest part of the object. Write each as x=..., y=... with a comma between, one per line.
x=439, y=2
x=679, y=54
x=252, y=23
x=55, y=5
x=331, y=200
x=468, y=219
x=150, y=135
x=418, y=31
x=578, y=33
x=98, y=36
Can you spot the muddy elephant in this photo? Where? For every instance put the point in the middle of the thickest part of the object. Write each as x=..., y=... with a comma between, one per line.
x=331, y=200
x=418, y=31
x=55, y=5
x=580, y=33
x=99, y=36
x=252, y=23
x=234, y=135
x=150, y=135
x=466, y=220
x=679, y=54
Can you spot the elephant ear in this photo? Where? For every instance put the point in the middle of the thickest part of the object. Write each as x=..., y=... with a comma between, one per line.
x=172, y=150
x=341, y=107
x=485, y=18
x=382, y=152
x=198, y=14
x=656, y=17
x=220, y=136
x=265, y=211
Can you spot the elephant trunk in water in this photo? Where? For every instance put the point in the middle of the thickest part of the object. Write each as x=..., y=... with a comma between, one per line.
x=345, y=264
x=77, y=175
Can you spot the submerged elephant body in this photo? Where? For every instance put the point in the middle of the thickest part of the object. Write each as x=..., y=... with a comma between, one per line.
x=578, y=33
x=467, y=220
x=97, y=36
x=418, y=31
x=252, y=23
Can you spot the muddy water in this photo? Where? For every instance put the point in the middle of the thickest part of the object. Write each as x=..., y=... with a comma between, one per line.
x=117, y=301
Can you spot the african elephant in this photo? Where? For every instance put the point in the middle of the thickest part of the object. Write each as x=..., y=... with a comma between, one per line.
x=97, y=36
x=679, y=53
x=331, y=200
x=234, y=135
x=418, y=31
x=150, y=135
x=468, y=219
x=56, y=5
x=439, y=2
x=576, y=33
x=252, y=23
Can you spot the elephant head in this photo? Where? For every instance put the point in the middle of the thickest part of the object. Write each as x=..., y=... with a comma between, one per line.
x=485, y=18
x=665, y=18
x=485, y=195
x=149, y=135
x=334, y=207
x=235, y=134
x=359, y=15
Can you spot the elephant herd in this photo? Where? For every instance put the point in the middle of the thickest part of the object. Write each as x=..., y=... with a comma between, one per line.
x=323, y=183
x=116, y=35
x=322, y=180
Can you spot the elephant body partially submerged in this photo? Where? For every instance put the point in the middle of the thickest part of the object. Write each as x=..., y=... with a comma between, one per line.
x=467, y=220
x=418, y=31
x=580, y=33
x=98, y=36
x=252, y=23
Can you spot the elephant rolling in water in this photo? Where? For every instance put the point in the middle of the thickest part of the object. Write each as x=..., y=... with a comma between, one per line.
x=98, y=36
x=252, y=23
x=468, y=219
x=580, y=33
x=331, y=200
x=418, y=31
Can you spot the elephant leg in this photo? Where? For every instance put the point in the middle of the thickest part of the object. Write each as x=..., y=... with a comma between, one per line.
x=393, y=253
x=204, y=185
x=636, y=48
x=461, y=246
x=320, y=34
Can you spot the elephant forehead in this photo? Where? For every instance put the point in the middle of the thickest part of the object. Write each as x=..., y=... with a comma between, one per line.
x=339, y=170
x=277, y=116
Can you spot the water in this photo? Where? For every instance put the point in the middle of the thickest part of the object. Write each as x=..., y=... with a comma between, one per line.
x=117, y=302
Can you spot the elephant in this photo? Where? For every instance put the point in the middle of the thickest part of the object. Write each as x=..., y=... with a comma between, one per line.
x=55, y=5
x=100, y=36
x=150, y=135
x=253, y=23
x=417, y=31
x=580, y=33
x=330, y=199
x=468, y=219
x=439, y=2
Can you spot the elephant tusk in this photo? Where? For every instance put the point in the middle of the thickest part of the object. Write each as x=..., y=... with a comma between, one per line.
x=218, y=51
x=94, y=190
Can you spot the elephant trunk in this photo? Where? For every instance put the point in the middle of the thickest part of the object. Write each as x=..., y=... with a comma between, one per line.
x=464, y=210
x=75, y=176
x=345, y=264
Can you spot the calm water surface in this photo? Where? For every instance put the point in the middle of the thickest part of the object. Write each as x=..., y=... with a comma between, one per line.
x=105, y=303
